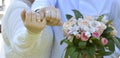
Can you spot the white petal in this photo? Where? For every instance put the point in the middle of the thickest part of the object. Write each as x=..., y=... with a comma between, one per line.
x=87, y=34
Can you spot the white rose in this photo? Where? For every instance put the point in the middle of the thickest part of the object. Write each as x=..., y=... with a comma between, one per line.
x=87, y=34
x=92, y=29
x=90, y=18
x=104, y=26
x=75, y=29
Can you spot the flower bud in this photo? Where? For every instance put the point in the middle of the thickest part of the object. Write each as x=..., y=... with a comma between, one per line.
x=104, y=41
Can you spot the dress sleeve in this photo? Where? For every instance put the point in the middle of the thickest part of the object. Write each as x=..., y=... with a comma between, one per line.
x=21, y=40
x=18, y=37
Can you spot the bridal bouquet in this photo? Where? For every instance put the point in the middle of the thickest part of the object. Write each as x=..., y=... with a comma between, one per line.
x=88, y=37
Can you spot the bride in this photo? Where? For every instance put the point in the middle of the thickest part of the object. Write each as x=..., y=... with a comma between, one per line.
x=28, y=34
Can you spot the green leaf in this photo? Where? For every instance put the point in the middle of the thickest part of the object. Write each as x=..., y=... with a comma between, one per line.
x=66, y=54
x=91, y=51
x=100, y=18
x=71, y=50
x=99, y=56
x=75, y=41
x=107, y=53
x=117, y=42
x=80, y=55
x=96, y=41
x=90, y=56
x=62, y=41
x=82, y=44
x=103, y=53
x=109, y=22
x=109, y=29
x=100, y=51
x=66, y=41
x=68, y=16
x=110, y=45
x=77, y=14
x=74, y=55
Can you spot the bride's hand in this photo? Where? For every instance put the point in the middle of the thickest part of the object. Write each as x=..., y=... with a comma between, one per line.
x=52, y=15
x=33, y=21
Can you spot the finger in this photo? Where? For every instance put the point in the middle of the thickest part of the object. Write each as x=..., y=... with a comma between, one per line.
x=53, y=12
x=44, y=22
x=58, y=16
x=47, y=14
x=39, y=19
x=52, y=23
x=60, y=23
x=28, y=17
x=34, y=17
x=23, y=15
x=41, y=12
x=57, y=23
x=52, y=20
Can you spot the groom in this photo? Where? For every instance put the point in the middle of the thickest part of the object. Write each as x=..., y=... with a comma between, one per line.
x=87, y=7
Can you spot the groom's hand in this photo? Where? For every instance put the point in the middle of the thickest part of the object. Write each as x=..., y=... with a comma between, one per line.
x=52, y=15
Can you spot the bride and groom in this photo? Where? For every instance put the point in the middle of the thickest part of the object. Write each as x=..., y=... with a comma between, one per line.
x=37, y=33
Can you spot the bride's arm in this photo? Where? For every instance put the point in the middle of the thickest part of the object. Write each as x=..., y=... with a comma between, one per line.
x=18, y=37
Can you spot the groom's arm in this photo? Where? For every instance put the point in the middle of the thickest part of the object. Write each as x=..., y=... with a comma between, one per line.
x=38, y=4
x=51, y=14
x=115, y=15
x=116, y=21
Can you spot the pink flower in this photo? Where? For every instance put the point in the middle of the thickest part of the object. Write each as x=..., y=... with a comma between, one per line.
x=78, y=36
x=96, y=34
x=83, y=37
x=104, y=41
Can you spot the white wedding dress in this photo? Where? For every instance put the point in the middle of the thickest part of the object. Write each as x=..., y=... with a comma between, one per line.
x=18, y=42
